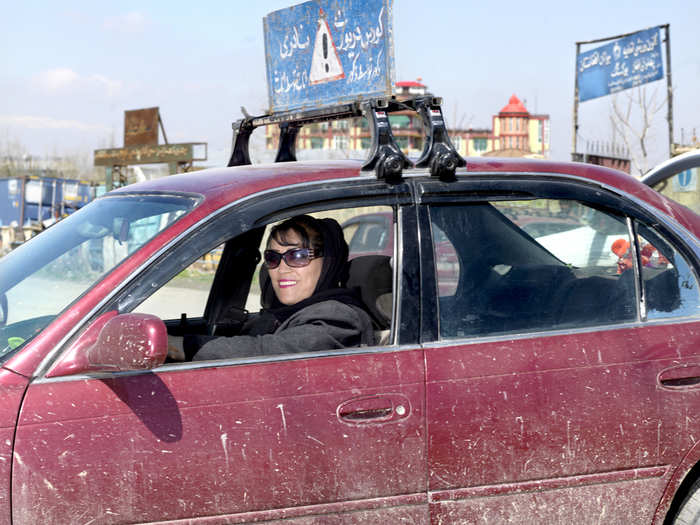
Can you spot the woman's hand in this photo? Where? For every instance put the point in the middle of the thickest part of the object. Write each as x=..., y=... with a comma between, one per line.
x=176, y=351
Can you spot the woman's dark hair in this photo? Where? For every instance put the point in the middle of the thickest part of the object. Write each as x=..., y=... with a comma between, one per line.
x=326, y=238
x=325, y=235
x=305, y=227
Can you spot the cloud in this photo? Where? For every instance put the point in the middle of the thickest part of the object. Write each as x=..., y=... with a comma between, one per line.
x=131, y=22
x=57, y=79
x=64, y=80
x=34, y=122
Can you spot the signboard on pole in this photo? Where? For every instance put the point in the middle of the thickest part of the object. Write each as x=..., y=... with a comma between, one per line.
x=141, y=127
x=326, y=52
x=164, y=153
x=622, y=64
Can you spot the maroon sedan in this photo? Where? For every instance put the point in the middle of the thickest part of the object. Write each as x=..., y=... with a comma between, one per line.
x=549, y=384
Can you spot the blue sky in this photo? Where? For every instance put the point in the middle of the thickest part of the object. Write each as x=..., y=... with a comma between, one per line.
x=69, y=69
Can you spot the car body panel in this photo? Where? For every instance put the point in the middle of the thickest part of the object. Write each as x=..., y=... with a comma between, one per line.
x=544, y=426
x=535, y=403
x=223, y=440
x=671, y=167
x=12, y=388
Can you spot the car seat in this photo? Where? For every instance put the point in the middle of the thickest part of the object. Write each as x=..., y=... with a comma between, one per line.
x=372, y=274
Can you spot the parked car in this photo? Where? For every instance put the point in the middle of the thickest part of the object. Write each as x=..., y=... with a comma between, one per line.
x=677, y=178
x=538, y=389
x=373, y=234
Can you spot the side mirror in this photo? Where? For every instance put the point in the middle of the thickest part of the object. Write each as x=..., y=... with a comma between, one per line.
x=115, y=343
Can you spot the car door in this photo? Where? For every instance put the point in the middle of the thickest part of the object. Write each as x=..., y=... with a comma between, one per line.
x=550, y=394
x=12, y=387
x=284, y=437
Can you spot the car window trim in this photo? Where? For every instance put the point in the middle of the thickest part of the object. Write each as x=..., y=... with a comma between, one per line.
x=440, y=193
x=351, y=192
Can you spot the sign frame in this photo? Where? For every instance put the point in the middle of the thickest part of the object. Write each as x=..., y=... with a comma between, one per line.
x=669, y=82
x=164, y=153
x=622, y=64
x=141, y=127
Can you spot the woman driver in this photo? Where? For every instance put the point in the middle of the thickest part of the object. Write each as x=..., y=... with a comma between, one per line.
x=306, y=259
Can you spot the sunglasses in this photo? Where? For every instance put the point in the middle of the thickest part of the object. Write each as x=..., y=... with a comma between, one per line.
x=295, y=258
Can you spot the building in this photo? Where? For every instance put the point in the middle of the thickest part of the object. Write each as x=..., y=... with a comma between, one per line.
x=517, y=133
x=514, y=133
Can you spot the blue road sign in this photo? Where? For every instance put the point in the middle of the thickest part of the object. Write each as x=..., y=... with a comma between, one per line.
x=622, y=64
x=686, y=180
x=325, y=52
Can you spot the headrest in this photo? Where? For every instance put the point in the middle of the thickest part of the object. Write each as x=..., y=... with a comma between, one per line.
x=372, y=274
x=267, y=294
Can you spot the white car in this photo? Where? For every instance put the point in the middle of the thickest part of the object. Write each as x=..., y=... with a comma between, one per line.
x=677, y=178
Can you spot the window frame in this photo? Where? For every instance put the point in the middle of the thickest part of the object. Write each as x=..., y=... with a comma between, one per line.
x=247, y=217
x=485, y=188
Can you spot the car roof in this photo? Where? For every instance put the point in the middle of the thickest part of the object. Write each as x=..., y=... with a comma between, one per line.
x=220, y=186
x=672, y=166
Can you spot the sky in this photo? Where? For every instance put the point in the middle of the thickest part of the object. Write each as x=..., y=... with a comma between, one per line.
x=69, y=69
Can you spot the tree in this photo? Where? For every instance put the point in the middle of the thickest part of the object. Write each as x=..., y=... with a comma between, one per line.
x=636, y=127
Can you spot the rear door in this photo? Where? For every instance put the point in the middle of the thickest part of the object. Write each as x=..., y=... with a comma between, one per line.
x=550, y=396
x=286, y=437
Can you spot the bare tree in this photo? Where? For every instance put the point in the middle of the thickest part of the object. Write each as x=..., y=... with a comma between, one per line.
x=460, y=120
x=12, y=153
x=633, y=119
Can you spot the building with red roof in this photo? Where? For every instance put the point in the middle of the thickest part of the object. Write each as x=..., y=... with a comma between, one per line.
x=515, y=132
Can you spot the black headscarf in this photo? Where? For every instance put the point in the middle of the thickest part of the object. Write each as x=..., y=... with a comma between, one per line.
x=334, y=272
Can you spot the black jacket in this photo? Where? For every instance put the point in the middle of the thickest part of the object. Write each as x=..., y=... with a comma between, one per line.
x=325, y=325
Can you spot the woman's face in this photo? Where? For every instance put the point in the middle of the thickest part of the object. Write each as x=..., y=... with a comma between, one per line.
x=292, y=285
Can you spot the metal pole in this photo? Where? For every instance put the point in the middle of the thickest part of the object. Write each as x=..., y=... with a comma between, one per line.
x=41, y=200
x=575, y=129
x=671, y=149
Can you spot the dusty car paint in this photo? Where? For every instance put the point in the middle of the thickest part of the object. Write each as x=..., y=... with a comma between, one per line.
x=469, y=430
x=561, y=413
x=230, y=448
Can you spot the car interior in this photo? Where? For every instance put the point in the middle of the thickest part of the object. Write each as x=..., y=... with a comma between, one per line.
x=509, y=282
x=239, y=290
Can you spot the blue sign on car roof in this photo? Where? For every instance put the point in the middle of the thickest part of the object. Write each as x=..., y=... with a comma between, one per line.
x=325, y=52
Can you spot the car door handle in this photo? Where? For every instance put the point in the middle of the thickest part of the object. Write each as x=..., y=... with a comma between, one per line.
x=682, y=376
x=378, y=408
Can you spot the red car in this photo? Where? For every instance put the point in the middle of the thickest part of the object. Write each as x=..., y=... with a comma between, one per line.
x=549, y=385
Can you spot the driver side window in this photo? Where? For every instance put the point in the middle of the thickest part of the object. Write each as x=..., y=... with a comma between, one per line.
x=306, y=294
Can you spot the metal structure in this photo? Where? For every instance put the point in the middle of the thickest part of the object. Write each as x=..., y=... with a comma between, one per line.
x=385, y=158
x=141, y=147
x=667, y=32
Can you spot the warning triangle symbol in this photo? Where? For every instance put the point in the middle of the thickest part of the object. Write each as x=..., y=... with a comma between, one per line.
x=325, y=64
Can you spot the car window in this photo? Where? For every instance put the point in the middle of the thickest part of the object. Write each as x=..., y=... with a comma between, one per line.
x=42, y=277
x=187, y=292
x=227, y=292
x=509, y=280
x=670, y=283
x=369, y=231
x=370, y=237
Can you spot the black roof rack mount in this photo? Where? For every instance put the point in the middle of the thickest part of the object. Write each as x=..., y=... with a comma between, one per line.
x=385, y=158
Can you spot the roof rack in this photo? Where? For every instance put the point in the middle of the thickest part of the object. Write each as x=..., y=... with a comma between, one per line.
x=385, y=158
